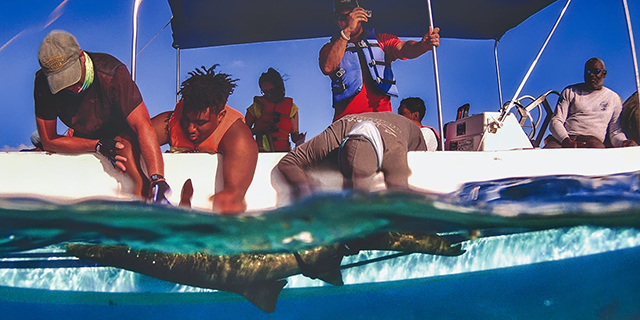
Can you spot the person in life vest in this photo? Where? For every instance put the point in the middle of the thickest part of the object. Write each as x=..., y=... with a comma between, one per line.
x=202, y=122
x=272, y=117
x=358, y=87
x=414, y=109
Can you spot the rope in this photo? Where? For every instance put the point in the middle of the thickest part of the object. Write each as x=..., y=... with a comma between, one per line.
x=365, y=262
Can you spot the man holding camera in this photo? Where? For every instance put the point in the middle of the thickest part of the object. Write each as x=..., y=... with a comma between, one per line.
x=356, y=87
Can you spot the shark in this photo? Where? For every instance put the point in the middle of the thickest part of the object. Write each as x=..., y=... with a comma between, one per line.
x=258, y=277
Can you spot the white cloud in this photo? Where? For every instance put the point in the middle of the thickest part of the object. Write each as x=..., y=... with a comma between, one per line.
x=7, y=148
x=237, y=63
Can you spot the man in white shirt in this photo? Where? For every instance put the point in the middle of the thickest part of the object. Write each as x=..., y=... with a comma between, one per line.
x=586, y=112
x=414, y=109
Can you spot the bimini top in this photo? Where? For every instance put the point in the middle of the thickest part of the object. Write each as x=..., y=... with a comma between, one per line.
x=205, y=23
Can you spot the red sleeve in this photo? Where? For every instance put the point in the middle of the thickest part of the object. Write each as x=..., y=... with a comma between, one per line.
x=388, y=43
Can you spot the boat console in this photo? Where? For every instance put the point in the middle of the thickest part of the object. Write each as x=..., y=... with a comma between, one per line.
x=484, y=132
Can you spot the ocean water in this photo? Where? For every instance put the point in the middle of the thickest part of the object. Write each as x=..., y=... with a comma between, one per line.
x=550, y=247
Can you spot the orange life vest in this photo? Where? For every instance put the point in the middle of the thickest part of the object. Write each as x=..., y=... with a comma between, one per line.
x=277, y=141
x=180, y=142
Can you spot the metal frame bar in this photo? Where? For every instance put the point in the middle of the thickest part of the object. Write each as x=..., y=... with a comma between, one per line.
x=633, y=46
x=505, y=111
x=134, y=46
x=437, y=78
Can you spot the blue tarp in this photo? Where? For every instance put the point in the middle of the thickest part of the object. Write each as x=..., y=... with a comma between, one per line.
x=205, y=23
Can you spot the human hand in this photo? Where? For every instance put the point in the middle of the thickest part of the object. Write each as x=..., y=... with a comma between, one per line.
x=109, y=148
x=629, y=143
x=263, y=125
x=357, y=16
x=159, y=190
x=298, y=138
x=301, y=191
x=431, y=39
x=569, y=143
x=228, y=203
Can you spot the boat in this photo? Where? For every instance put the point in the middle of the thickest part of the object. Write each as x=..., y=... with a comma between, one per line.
x=507, y=153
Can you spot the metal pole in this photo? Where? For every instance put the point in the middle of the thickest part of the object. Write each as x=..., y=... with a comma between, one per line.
x=633, y=46
x=177, y=74
x=134, y=46
x=437, y=77
x=495, y=54
x=506, y=110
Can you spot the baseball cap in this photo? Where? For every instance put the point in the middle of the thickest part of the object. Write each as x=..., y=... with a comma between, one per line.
x=59, y=58
x=340, y=5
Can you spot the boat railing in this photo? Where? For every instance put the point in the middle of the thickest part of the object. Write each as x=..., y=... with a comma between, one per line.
x=535, y=116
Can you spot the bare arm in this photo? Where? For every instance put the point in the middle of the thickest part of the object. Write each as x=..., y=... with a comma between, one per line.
x=139, y=121
x=412, y=49
x=250, y=120
x=332, y=52
x=160, y=124
x=240, y=157
x=53, y=142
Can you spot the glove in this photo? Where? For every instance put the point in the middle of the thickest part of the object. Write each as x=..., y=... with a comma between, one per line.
x=107, y=148
x=159, y=190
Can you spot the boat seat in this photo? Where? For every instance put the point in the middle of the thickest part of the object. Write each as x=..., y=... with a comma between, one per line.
x=535, y=116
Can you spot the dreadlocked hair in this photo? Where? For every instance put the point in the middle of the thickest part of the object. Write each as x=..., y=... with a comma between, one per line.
x=205, y=89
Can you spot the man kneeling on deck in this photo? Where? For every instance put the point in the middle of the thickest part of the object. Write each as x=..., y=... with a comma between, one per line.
x=202, y=122
x=362, y=145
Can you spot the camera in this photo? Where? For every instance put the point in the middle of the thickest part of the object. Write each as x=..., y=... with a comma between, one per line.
x=368, y=12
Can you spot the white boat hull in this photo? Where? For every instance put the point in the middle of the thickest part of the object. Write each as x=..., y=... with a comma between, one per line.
x=65, y=178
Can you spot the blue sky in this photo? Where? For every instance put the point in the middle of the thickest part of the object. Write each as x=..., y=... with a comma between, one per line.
x=467, y=70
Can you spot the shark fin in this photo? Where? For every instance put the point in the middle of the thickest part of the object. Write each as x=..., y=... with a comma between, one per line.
x=186, y=194
x=327, y=270
x=263, y=295
x=332, y=276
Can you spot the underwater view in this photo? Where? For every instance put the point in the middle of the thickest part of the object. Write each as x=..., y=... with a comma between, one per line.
x=517, y=248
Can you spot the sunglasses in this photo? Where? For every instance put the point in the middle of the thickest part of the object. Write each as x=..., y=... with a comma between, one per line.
x=270, y=92
x=596, y=71
x=342, y=17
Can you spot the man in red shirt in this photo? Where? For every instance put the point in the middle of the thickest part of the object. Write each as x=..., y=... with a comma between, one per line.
x=359, y=88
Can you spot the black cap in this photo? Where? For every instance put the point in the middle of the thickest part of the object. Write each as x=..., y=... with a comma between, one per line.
x=341, y=5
